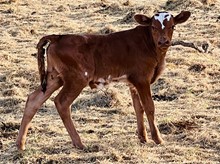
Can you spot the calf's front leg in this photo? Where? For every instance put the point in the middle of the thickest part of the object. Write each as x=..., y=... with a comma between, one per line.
x=139, y=114
x=143, y=88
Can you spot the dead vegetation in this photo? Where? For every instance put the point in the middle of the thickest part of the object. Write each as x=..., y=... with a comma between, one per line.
x=187, y=96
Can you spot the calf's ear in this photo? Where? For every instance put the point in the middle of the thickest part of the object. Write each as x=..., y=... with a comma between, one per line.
x=182, y=17
x=142, y=19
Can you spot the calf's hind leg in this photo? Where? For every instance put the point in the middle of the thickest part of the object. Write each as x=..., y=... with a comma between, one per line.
x=34, y=101
x=63, y=100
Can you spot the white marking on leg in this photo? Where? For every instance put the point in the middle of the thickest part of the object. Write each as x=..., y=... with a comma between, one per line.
x=161, y=17
x=86, y=73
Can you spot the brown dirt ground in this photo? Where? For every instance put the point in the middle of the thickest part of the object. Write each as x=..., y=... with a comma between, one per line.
x=187, y=95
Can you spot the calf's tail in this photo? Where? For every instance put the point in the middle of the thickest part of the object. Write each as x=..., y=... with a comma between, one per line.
x=42, y=47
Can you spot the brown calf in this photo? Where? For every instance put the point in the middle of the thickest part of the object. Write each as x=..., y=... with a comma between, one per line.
x=75, y=61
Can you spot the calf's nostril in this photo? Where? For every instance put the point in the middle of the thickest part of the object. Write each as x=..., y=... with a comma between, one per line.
x=160, y=43
x=167, y=42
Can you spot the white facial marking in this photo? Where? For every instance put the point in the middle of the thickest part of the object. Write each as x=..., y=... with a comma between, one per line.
x=86, y=73
x=162, y=17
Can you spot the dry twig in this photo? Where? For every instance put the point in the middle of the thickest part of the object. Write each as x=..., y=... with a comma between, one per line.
x=186, y=44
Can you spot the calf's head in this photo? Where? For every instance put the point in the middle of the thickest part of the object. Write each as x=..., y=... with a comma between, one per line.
x=162, y=25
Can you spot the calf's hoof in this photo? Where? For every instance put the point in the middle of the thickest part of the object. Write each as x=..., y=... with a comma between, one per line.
x=158, y=140
x=79, y=146
x=142, y=136
x=20, y=146
x=142, y=139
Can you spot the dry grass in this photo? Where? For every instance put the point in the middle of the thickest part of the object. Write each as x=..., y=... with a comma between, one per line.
x=187, y=96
